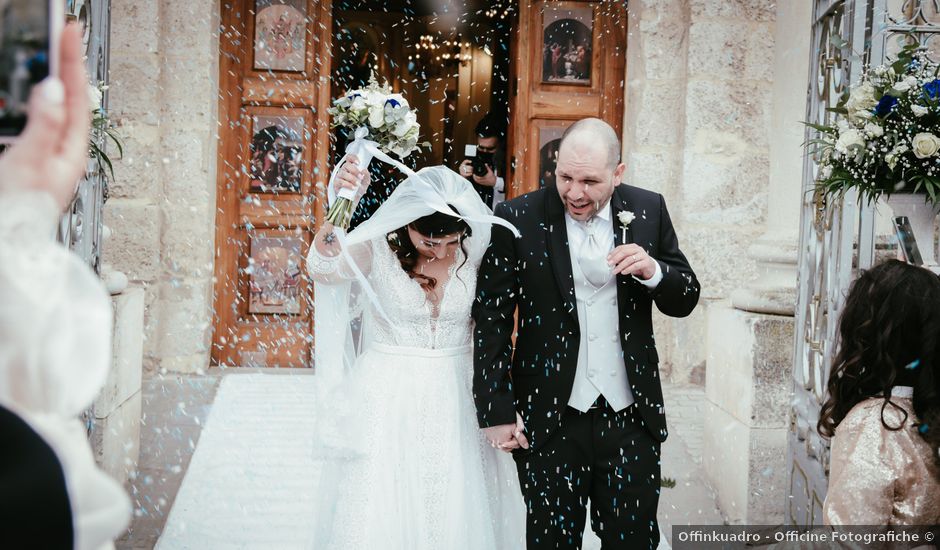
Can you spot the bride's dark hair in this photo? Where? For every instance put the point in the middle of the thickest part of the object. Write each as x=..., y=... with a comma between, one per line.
x=889, y=336
x=431, y=226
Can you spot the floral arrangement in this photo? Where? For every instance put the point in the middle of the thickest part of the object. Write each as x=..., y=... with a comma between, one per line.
x=885, y=135
x=102, y=130
x=379, y=120
x=391, y=122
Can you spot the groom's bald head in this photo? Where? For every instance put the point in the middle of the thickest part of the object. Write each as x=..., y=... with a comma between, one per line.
x=594, y=131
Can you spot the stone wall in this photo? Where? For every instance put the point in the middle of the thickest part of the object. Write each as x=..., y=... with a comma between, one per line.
x=164, y=98
x=697, y=129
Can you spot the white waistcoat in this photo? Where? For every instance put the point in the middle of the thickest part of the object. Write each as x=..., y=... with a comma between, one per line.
x=601, y=369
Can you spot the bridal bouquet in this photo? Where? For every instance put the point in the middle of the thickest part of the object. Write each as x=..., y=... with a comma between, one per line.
x=381, y=122
x=886, y=133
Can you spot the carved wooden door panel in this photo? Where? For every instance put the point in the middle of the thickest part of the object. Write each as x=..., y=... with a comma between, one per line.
x=273, y=147
x=570, y=64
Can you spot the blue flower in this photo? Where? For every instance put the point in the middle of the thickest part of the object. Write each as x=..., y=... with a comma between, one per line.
x=393, y=102
x=932, y=89
x=886, y=105
x=353, y=95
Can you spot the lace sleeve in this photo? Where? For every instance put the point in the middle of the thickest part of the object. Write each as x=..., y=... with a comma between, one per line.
x=336, y=269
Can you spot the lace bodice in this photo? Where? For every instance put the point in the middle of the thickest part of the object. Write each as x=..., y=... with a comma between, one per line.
x=413, y=322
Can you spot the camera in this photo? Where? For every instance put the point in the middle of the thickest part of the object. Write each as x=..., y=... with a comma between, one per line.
x=480, y=160
x=29, y=46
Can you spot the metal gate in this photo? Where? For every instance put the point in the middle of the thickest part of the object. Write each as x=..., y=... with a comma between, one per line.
x=80, y=228
x=836, y=240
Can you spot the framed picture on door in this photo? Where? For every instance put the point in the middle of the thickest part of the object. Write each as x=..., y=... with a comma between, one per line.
x=549, y=138
x=280, y=42
x=275, y=269
x=277, y=150
x=567, y=45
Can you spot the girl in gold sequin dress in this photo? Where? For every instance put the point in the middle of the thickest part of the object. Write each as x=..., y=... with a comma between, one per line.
x=883, y=409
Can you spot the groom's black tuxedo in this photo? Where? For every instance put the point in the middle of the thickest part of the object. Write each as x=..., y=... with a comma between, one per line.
x=534, y=273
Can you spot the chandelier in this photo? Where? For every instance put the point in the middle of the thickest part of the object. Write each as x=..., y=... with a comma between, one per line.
x=432, y=53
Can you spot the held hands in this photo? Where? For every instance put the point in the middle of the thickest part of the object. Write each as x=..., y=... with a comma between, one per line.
x=351, y=176
x=51, y=153
x=507, y=437
x=632, y=259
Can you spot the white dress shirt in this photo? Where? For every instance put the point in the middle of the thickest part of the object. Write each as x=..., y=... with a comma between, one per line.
x=577, y=234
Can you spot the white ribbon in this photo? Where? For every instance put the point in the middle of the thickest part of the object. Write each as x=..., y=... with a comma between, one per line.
x=366, y=149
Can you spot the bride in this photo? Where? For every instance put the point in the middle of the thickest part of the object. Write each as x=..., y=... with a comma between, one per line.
x=405, y=466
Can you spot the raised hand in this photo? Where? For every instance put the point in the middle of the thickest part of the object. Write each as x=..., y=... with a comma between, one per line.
x=52, y=152
x=351, y=176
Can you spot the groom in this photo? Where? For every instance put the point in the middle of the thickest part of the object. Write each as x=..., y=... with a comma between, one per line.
x=578, y=397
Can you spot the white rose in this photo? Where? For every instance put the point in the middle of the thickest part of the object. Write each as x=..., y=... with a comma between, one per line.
x=919, y=111
x=906, y=84
x=376, y=116
x=626, y=217
x=849, y=139
x=874, y=130
x=94, y=97
x=861, y=101
x=925, y=145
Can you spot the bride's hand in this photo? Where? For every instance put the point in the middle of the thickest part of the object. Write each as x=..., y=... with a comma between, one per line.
x=352, y=177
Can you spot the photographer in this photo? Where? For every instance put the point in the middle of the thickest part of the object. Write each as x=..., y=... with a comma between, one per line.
x=483, y=169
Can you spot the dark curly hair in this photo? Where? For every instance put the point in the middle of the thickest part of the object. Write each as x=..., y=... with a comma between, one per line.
x=433, y=225
x=889, y=336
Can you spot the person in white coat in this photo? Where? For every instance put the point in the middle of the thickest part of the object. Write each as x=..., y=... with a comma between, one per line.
x=55, y=333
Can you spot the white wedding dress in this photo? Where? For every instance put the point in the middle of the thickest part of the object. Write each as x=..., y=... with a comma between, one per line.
x=413, y=471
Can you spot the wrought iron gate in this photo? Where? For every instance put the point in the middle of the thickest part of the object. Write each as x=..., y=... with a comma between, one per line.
x=80, y=228
x=836, y=239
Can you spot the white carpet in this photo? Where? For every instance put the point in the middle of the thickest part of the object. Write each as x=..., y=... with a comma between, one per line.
x=250, y=483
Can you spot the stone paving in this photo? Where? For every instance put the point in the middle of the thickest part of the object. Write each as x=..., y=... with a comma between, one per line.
x=175, y=408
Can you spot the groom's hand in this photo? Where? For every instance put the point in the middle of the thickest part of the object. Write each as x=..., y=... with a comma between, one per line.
x=632, y=259
x=507, y=437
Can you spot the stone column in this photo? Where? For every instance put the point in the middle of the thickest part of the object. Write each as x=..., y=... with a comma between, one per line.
x=653, y=140
x=164, y=91
x=750, y=340
x=117, y=409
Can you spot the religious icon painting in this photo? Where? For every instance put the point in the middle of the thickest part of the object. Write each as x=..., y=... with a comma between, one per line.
x=274, y=270
x=280, y=35
x=277, y=152
x=549, y=141
x=567, y=45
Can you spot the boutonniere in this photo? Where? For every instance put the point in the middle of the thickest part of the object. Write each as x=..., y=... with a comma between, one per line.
x=626, y=218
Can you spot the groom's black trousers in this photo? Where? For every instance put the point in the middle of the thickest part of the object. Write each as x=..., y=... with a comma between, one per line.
x=605, y=456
